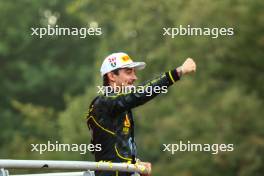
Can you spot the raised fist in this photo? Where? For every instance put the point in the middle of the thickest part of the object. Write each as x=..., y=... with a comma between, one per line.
x=188, y=66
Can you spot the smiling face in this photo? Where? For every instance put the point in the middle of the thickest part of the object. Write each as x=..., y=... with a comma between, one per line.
x=125, y=77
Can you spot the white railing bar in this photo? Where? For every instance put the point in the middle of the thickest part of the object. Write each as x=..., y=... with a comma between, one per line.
x=73, y=165
x=89, y=173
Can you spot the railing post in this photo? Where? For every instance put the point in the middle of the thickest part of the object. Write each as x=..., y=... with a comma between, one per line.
x=88, y=173
x=4, y=172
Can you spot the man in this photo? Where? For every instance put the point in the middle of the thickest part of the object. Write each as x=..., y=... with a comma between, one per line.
x=110, y=118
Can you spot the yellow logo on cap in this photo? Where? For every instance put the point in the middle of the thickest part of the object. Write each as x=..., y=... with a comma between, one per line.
x=126, y=58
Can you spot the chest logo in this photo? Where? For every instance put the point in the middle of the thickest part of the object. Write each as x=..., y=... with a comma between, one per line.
x=127, y=122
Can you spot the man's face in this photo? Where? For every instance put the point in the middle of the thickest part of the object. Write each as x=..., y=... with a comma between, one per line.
x=126, y=77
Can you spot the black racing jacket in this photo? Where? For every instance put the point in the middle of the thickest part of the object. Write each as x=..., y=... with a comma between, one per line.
x=111, y=121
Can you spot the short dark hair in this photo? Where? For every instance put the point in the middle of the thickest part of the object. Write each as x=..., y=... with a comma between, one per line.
x=106, y=79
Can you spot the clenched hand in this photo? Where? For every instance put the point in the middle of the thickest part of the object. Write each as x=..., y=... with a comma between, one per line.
x=188, y=66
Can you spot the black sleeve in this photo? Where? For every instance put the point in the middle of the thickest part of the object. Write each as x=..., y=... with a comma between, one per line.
x=123, y=102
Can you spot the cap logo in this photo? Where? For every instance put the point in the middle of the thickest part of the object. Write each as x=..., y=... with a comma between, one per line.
x=112, y=61
x=126, y=58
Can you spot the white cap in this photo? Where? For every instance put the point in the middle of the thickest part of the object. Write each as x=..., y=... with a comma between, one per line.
x=119, y=60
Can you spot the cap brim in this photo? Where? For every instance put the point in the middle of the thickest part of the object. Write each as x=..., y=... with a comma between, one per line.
x=136, y=65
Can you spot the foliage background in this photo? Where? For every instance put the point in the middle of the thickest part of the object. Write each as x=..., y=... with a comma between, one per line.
x=47, y=84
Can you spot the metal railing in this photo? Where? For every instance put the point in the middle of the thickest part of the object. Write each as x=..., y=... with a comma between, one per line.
x=4, y=172
x=87, y=166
